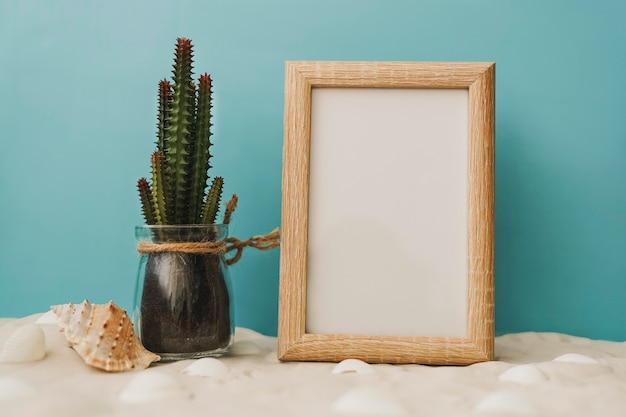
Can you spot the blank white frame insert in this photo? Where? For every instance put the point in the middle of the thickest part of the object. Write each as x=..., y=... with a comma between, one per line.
x=401, y=155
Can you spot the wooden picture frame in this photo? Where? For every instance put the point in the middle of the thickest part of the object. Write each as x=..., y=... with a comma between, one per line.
x=407, y=277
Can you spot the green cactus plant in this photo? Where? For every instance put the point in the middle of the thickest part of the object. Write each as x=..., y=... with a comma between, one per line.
x=178, y=191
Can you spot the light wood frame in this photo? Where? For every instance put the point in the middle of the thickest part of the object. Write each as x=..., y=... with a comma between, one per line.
x=294, y=342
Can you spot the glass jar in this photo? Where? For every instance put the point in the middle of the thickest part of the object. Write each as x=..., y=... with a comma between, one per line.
x=183, y=307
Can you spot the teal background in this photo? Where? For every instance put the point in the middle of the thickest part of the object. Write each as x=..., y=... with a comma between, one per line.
x=78, y=84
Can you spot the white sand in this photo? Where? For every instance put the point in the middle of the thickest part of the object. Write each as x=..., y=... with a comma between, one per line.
x=524, y=381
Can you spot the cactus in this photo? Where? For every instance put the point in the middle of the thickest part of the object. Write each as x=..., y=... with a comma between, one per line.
x=165, y=100
x=145, y=196
x=158, y=188
x=211, y=205
x=200, y=164
x=178, y=191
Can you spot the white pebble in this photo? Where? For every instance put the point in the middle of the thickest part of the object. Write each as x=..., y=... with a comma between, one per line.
x=368, y=401
x=26, y=344
x=207, y=367
x=505, y=403
x=575, y=358
x=353, y=366
x=153, y=386
x=523, y=374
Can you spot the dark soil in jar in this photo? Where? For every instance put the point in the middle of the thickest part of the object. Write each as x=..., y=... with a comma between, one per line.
x=185, y=305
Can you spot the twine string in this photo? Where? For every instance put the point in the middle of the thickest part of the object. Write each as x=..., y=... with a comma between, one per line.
x=222, y=247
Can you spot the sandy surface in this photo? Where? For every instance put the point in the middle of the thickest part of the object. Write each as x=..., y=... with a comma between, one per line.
x=587, y=379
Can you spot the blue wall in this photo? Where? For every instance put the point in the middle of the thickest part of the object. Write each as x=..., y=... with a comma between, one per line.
x=77, y=120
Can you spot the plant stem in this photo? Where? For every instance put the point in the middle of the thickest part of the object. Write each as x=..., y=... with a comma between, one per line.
x=178, y=141
x=145, y=196
x=200, y=161
x=212, y=203
x=159, y=188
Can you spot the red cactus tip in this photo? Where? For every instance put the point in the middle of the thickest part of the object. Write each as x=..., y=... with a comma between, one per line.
x=205, y=79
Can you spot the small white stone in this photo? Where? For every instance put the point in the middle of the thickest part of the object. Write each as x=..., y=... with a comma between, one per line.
x=575, y=358
x=505, y=403
x=353, y=366
x=26, y=344
x=368, y=401
x=153, y=386
x=207, y=367
x=12, y=388
x=523, y=374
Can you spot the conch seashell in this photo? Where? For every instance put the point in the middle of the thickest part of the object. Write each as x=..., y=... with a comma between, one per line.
x=26, y=344
x=103, y=335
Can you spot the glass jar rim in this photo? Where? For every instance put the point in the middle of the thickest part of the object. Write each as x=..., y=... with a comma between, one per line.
x=182, y=226
x=181, y=232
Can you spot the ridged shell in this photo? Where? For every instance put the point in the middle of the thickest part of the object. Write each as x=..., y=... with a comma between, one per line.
x=103, y=335
x=26, y=344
